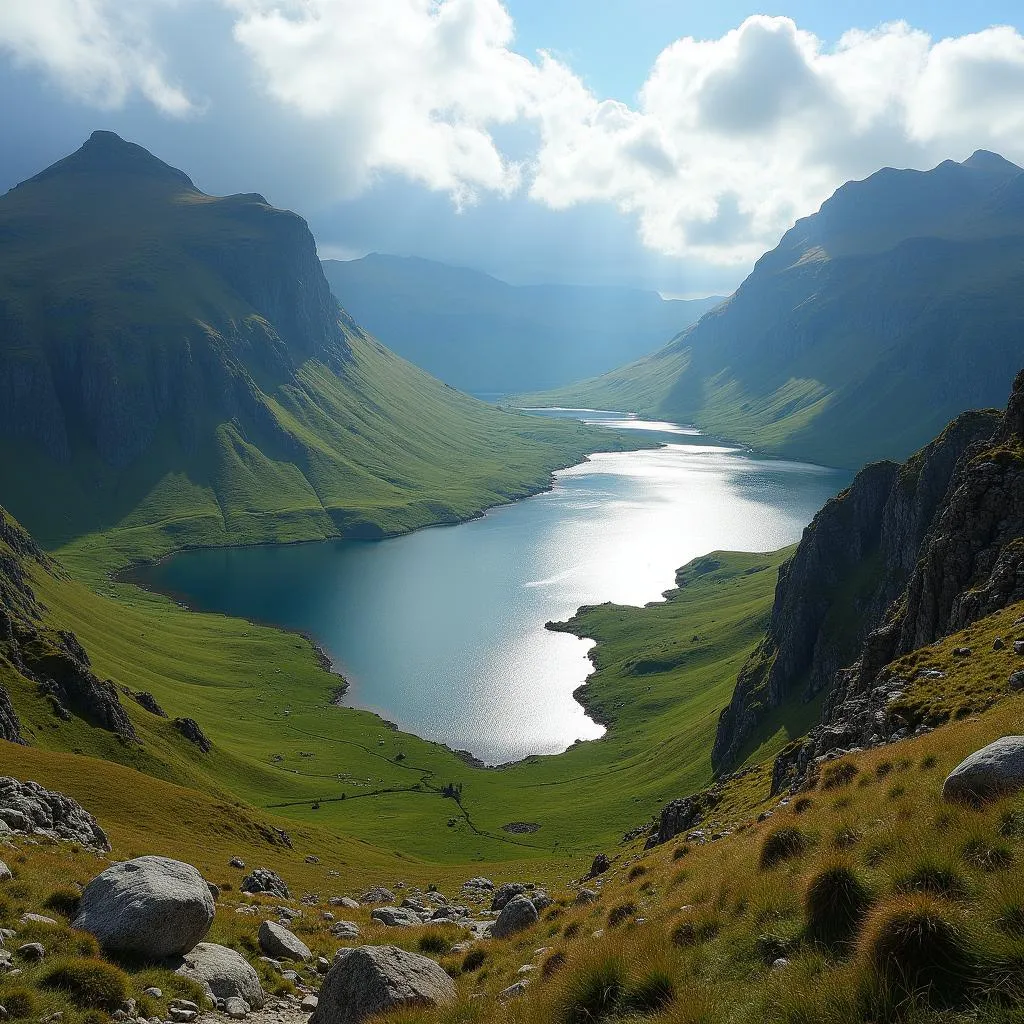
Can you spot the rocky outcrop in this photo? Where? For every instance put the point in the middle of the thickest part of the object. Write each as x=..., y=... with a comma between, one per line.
x=189, y=728
x=265, y=880
x=224, y=973
x=148, y=701
x=28, y=807
x=854, y=560
x=370, y=980
x=969, y=565
x=151, y=908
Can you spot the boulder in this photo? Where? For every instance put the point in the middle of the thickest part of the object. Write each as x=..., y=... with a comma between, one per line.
x=189, y=728
x=369, y=980
x=505, y=892
x=1016, y=680
x=378, y=894
x=540, y=900
x=31, y=951
x=518, y=913
x=277, y=941
x=585, y=896
x=345, y=901
x=265, y=880
x=600, y=866
x=224, y=973
x=345, y=930
x=993, y=771
x=27, y=807
x=150, y=907
x=395, y=917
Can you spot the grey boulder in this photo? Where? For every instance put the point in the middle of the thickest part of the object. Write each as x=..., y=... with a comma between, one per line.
x=224, y=973
x=150, y=907
x=277, y=941
x=368, y=980
x=265, y=880
x=395, y=917
x=504, y=893
x=993, y=771
x=345, y=930
x=378, y=894
x=518, y=913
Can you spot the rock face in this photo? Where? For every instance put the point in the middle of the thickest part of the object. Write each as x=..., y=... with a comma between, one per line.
x=968, y=564
x=855, y=558
x=265, y=880
x=519, y=913
x=151, y=907
x=277, y=941
x=994, y=771
x=28, y=807
x=223, y=973
x=369, y=980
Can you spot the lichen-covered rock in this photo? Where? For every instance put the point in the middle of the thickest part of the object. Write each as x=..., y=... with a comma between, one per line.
x=369, y=980
x=994, y=771
x=265, y=880
x=518, y=913
x=28, y=807
x=277, y=941
x=224, y=973
x=151, y=908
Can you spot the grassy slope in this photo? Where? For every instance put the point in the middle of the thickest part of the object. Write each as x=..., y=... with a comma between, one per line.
x=261, y=697
x=702, y=922
x=386, y=448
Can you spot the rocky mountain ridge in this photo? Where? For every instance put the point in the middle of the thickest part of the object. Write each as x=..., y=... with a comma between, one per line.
x=906, y=556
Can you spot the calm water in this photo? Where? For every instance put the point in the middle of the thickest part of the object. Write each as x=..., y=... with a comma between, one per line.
x=442, y=631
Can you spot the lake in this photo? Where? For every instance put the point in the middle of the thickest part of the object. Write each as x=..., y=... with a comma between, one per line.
x=442, y=631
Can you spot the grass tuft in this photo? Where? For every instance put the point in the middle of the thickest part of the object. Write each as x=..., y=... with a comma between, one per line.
x=783, y=844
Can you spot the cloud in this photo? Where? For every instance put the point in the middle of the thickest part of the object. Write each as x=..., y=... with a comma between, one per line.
x=96, y=50
x=729, y=141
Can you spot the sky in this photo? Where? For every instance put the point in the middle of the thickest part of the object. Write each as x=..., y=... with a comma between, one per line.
x=663, y=144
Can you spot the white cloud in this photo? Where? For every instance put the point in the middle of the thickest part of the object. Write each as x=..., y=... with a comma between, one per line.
x=729, y=141
x=97, y=50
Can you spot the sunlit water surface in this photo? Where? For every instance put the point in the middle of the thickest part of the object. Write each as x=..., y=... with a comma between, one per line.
x=442, y=631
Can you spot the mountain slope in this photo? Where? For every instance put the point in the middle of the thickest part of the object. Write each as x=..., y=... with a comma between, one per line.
x=871, y=325
x=174, y=370
x=485, y=336
x=905, y=557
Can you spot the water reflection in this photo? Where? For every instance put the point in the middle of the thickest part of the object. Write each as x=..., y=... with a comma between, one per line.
x=442, y=631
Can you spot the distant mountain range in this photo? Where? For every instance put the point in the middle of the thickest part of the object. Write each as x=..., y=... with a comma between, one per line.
x=174, y=371
x=871, y=324
x=482, y=335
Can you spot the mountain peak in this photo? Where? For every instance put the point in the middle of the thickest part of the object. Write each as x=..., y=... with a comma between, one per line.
x=985, y=160
x=106, y=155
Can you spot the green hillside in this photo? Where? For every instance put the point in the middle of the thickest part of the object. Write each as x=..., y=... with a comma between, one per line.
x=870, y=326
x=174, y=371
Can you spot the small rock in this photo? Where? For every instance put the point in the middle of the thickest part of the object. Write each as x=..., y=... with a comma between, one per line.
x=237, y=1008
x=323, y=965
x=600, y=865
x=378, y=894
x=31, y=951
x=223, y=973
x=513, y=991
x=962, y=652
x=153, y=992
x=779, y=964
x=1016, y=680
x=309, y=1003
x=5, y=872
x=183, y=1004
x=998, y=644
x=585, y=896
x=312, y=859
x=1018, y=647
x=182, y=1016
x=345, y=901
x=236, y=862
x=277, y=941
x=36, y=919
x=345, y=930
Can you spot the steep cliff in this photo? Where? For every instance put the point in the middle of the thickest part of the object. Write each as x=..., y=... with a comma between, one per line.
x=854, y=560
x=949, y=551
x=174, y=371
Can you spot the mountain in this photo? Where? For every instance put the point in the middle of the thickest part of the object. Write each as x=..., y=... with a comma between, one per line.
x=488, y=337
x=174, y=371
x=907, y=556
x=872, y=324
